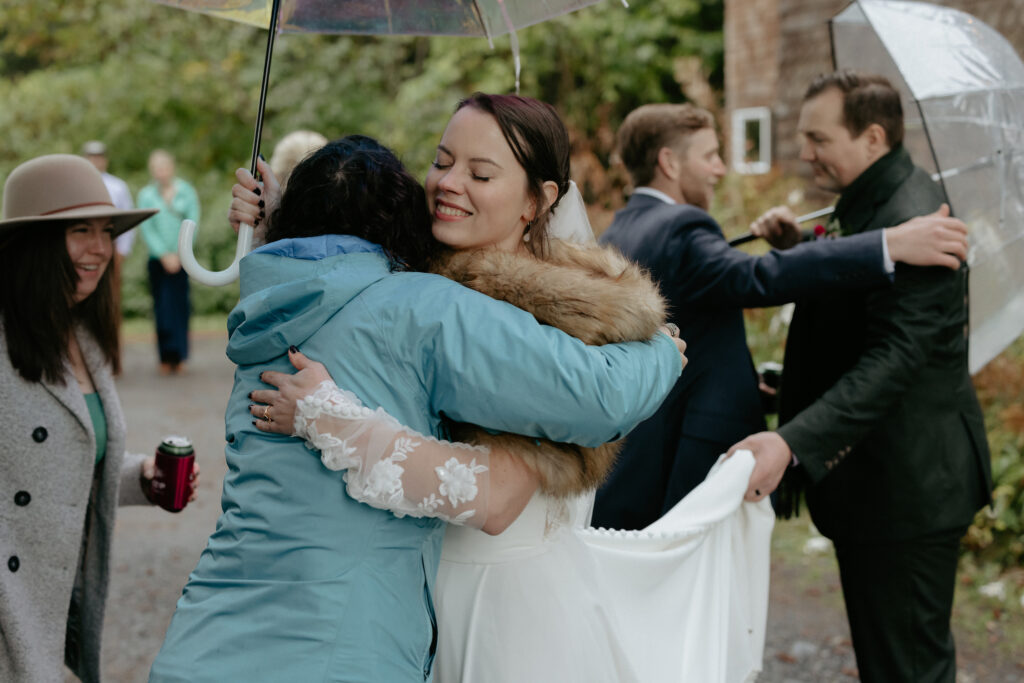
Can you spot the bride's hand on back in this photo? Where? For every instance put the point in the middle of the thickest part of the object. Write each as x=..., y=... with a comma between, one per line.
x=252, y=200
x=274, y=410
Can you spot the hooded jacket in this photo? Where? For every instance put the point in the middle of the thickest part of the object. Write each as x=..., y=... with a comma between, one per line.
x=299, y=581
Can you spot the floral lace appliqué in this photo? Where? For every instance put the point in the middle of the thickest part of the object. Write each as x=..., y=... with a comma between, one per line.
x=387, y=465
x=458, y=480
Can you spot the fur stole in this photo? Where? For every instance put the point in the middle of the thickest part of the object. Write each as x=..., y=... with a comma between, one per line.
x=593, y=293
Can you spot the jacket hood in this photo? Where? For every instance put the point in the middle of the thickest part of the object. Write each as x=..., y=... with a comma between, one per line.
x=290, y=288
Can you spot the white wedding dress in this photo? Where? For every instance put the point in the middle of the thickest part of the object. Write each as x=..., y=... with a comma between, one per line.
x=550, y=599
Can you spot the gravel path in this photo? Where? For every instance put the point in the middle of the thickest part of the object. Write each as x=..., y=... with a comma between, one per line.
x=808, y=640
x=154, y=551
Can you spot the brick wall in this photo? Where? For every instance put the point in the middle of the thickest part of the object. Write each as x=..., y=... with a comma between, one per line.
x=751, y=57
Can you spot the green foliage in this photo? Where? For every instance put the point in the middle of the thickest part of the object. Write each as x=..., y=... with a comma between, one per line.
x=998, y=532
x=139, y=75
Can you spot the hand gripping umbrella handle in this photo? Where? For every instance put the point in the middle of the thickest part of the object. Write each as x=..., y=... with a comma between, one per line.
x=750, y=237
x=209, y=277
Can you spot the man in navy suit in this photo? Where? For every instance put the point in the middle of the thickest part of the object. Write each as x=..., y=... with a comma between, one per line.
x=671, y=152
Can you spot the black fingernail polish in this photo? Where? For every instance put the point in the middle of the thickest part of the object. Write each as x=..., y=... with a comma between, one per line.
x=261, y=204
x=254, y=423
x=262, y=157
x=249, y=396
x=263, y=214
x=258, y=192
x=293, y=348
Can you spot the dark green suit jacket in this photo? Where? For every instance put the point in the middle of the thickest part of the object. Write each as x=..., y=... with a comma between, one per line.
x=877, y=403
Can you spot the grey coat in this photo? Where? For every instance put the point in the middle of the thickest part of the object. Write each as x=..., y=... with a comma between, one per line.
x=47, y=451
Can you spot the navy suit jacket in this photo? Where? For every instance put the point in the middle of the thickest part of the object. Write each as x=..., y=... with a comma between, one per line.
x=707, y=284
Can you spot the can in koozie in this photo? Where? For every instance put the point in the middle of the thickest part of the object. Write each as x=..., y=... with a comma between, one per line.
x=174, y=461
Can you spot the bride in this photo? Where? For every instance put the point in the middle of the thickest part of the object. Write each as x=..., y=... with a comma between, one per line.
x=548, y=599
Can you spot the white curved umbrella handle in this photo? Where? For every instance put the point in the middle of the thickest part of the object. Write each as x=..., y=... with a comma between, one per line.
x=209, y=277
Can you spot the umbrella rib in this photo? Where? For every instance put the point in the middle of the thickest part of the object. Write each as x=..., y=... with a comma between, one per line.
x=931, y=148
x=513, y=39
x=483, y=24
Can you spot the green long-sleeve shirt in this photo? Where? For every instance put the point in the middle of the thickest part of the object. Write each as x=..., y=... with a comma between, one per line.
x=160, y=232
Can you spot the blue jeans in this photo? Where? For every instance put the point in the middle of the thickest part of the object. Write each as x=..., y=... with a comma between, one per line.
x=171, y=308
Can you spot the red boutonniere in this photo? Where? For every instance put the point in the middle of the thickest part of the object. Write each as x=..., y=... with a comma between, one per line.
x=830, y=231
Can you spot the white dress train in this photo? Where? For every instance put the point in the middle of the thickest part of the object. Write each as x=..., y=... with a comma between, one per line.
x=551, y=599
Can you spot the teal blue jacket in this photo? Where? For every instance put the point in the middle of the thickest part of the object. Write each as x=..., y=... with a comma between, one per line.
x=301, y=583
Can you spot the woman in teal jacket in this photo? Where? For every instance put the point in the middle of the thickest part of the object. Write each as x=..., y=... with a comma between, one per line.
x=299, y=582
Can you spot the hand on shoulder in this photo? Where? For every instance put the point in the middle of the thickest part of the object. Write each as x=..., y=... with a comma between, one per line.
x=935, y=239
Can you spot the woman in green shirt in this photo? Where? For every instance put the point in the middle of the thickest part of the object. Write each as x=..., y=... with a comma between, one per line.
x=175, y=200
x=63, y=463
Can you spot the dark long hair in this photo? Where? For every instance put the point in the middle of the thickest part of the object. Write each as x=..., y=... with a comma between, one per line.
x=539, y=142
x=356, y=186
x=37, y=289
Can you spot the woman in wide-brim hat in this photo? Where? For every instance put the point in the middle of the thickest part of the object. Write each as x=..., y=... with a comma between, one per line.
x=63, y=461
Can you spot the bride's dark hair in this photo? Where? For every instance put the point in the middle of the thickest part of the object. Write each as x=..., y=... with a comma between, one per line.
x=539, y=142
x=357, y=186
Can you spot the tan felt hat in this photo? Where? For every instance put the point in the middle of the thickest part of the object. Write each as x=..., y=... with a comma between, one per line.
x=60, y=187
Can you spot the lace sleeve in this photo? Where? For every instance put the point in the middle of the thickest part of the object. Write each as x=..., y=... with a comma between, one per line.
x=392, y=467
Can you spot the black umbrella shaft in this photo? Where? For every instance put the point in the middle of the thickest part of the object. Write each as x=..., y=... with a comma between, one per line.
x=274, y=12
x=742, y=239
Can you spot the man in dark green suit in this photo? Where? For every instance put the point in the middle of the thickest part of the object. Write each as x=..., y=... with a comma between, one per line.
x=877, y=409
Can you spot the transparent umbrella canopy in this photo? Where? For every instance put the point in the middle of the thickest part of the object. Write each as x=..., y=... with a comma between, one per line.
x=963, y=91
x=486, y=18
x=482, y=18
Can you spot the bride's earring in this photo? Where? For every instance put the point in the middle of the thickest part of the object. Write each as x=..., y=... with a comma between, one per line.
x=526, y=233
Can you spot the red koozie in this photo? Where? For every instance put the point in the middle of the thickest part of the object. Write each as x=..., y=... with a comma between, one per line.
x=174, y=461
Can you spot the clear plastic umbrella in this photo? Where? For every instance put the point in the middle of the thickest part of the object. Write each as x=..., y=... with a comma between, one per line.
x=963, y=89
x=483, y=18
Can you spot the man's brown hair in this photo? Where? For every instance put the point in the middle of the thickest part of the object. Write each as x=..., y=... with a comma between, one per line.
x=867, y=99
x=649, y=128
